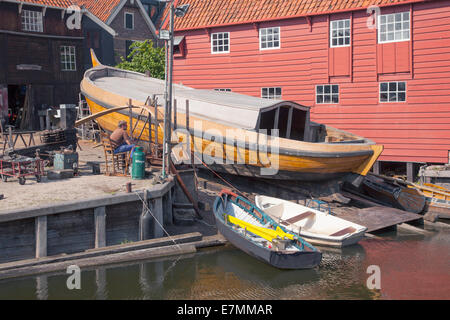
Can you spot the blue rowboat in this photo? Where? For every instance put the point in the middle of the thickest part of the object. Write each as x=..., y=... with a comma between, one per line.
x=254, y=232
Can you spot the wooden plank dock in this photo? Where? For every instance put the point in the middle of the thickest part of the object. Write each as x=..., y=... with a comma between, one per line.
x=374, y=216
x=378, y=217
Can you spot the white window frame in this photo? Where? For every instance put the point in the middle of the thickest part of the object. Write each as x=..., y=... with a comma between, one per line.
x=32, y=21
x=385, y=20
x=271, y=35
x=335, y=26
x=125, y=20
x=217, y=45
x=72, y=62
x=223, y=89
x=271, y=95
x=330, y=93
x=389, y=91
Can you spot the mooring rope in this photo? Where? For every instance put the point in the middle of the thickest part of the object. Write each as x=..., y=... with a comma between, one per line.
x=168, y=235
x=155, y=219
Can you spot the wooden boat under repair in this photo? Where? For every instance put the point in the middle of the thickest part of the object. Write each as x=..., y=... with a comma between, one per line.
x=226, y=129
x=393, y=194
x=437, y=198
x=317, y=227
x=255, y=233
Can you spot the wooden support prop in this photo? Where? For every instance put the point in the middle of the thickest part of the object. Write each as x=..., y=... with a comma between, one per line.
x=130, y=110
x=185, y=190
x=41, y=236
x=137, y=122
x=102, y=113
x=100, y=227
x=376, y=167
x=155, y=146
x=150, y=133
x=143, y=128
x=410, y=171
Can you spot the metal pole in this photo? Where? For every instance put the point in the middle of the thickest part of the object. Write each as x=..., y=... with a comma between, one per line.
x=170, y=80
x=166, y=106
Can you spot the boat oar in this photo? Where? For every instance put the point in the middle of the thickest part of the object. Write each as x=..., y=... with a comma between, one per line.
x=265, y=233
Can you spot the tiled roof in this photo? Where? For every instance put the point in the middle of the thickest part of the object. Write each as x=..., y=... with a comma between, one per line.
x=50, y=3
x=209, y=13
x=100, y=8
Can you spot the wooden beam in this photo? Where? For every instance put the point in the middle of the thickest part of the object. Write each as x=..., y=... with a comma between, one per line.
x=309, y=21
x=158, y=232
x=100, y=227
x=289, y=123
x=376, y=167
x=41, y=236
x=410, y=171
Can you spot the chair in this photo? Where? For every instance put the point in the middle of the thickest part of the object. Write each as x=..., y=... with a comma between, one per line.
x=119, y=160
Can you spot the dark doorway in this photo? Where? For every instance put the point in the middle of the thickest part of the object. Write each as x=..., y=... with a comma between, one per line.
x=16, y=100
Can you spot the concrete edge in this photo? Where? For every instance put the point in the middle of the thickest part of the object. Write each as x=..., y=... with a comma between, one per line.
x=157, y=191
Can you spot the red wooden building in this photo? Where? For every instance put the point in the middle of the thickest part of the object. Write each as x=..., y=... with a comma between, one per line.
x=389, y=82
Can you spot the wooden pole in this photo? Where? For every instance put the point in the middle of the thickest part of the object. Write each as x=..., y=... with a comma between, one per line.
x=174, y=114
x=156, y=132
x=131, y=116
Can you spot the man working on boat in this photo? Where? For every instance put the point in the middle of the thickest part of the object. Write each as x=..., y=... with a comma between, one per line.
x=120, y=140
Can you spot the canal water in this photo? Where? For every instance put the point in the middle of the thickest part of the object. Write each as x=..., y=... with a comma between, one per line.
x=411, y=267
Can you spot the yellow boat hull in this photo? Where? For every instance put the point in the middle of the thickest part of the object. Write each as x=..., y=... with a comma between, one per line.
x=290, y=159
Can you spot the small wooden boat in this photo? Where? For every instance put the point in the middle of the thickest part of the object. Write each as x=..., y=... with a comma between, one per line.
x=252, y=231
x=437, y=199
x=232, y=131
x=393, y=194
x=316, y=227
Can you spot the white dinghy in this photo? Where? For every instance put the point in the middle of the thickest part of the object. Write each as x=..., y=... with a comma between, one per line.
x=316, y=227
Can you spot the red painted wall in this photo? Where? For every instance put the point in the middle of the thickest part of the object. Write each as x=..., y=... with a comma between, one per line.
x=417, y=130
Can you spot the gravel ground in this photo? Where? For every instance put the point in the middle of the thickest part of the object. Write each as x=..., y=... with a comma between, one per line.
x=84, y=186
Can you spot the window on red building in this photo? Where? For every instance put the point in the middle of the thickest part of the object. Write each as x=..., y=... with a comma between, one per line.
x=393, y=27
x=340, y=33
x=269, y=38
x=220, y=42
x=271, y=93
x=393, y=91
x=328, y=93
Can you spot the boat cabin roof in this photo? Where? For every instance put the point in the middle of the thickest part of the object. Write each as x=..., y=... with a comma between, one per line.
x=234, y=109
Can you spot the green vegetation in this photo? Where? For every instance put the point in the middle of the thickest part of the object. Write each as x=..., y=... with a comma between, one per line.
x=145, y=57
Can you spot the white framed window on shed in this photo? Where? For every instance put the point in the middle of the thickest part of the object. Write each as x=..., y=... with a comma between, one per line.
x=394, y=27
x=220, y=42
x=129, y=20
x=271, y=93
x=393, y=91
x=269, y=38
x=68, y=58
x=32, y=21
x=327, y=94
x=223, y=89
x=340, y=33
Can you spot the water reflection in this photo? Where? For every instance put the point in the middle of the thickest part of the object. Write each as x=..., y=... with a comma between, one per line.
x=411, y=266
